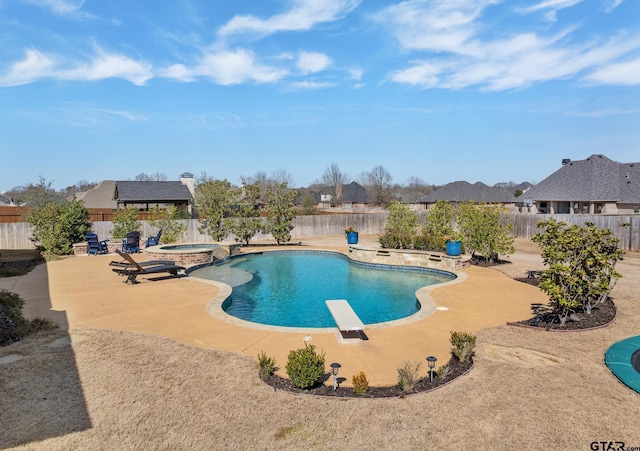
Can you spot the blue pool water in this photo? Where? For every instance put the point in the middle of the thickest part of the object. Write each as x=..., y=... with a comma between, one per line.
x=289, y=288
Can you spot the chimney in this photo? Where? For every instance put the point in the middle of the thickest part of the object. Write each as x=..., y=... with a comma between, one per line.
x=566, y=161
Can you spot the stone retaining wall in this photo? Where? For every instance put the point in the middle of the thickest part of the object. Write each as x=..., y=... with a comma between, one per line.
x=406, y=257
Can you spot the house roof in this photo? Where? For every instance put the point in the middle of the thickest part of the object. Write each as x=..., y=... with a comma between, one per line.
x=137, y=191
x=594, y=179
x=462, y=191
x=5, y=200
x=100, y=196
x=352, y=192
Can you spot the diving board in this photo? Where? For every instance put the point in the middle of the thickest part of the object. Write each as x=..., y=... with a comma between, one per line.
x=350, y=327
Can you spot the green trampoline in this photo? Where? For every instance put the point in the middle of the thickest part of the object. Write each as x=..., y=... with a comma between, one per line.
x=623, y=359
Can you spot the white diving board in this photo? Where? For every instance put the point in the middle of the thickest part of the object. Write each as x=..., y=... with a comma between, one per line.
x=349, y=325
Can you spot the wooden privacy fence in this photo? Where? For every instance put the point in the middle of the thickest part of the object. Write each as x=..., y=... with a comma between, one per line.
x=626, y=227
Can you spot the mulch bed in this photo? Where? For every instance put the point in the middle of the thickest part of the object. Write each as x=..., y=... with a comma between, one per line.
x=457, y=369
x=601, y=315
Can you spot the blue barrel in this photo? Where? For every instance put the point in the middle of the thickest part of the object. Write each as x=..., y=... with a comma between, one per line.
x=454, y=248
x=352, y=237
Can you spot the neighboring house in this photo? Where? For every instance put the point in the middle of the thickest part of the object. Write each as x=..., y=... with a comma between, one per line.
x=148, y=195
x=100, y=196
x=6, y=202
x=596, y=185
x=458, y=192
x=351, y=196
x=112, y=195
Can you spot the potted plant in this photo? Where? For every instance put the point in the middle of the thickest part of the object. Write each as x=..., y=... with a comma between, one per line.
x=453, y=244
x=352, y=235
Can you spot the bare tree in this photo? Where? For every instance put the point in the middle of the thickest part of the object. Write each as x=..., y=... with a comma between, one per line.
x=378, y=184
x=416, y=188
x=280, y=176
x=333, y=178
x=155, y=177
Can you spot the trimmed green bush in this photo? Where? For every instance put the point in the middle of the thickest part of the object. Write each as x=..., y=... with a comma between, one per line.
x=463, y=345
x=13, y=326
x=305, y=366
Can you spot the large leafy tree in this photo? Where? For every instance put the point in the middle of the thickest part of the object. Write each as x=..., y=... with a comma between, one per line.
x=246, y=221
x=214, y=205
x=485, y=229
x=56, y=226
x=281, y=210
x=400, y=230
x=581, y=265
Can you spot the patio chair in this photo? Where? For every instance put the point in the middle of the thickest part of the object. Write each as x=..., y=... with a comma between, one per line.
x=94, y=245
x=134, y=269
x=153, y=240
x=131, y=243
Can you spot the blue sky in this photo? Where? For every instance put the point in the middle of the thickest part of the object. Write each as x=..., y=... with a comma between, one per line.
x=444, y=90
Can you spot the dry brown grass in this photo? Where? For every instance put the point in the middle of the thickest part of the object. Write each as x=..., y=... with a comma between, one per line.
x=125, y=390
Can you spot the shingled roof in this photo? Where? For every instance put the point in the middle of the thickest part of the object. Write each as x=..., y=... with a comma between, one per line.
x=137, y=191
x=595, y=179
x=462, y=191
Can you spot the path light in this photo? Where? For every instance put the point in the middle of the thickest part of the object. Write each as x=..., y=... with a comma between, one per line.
x=334, y=371
x=431, y=361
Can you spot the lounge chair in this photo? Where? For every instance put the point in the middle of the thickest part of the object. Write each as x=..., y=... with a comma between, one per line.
x=131, y=243
x=153, y=240
x=135, y=269
x=94, y=245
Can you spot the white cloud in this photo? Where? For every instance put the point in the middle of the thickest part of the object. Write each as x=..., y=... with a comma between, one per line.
x=454, y=53
x=227, y=68
x=356, y=73
x=311, y=62
x=303, y=15
x=38, y=65
x=128, y=115
x=35, y=66
x=310, y=85
x=625, y=73
x=612, y=4
x=59, y=6
x=110, y=65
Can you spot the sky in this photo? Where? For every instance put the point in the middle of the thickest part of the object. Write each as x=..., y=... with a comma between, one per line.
x=443, y=90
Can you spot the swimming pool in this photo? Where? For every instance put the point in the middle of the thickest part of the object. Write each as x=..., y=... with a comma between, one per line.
x=289, y=288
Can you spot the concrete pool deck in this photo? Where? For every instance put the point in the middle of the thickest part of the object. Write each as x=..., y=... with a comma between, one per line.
x=83, y=292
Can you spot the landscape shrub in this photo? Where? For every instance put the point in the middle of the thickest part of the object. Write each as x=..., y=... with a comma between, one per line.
x=438, y=226
x=401, y=227
x=13, y=326
x=305, y=366
x=463, y=345
x=266, y=366
x=443, y=371
x=168, y=220
x=281, y=210
x=125, y=220
x=408, y=375
x=581, y=263
x=485, y=230
x=56, y=226
x=360, y=383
